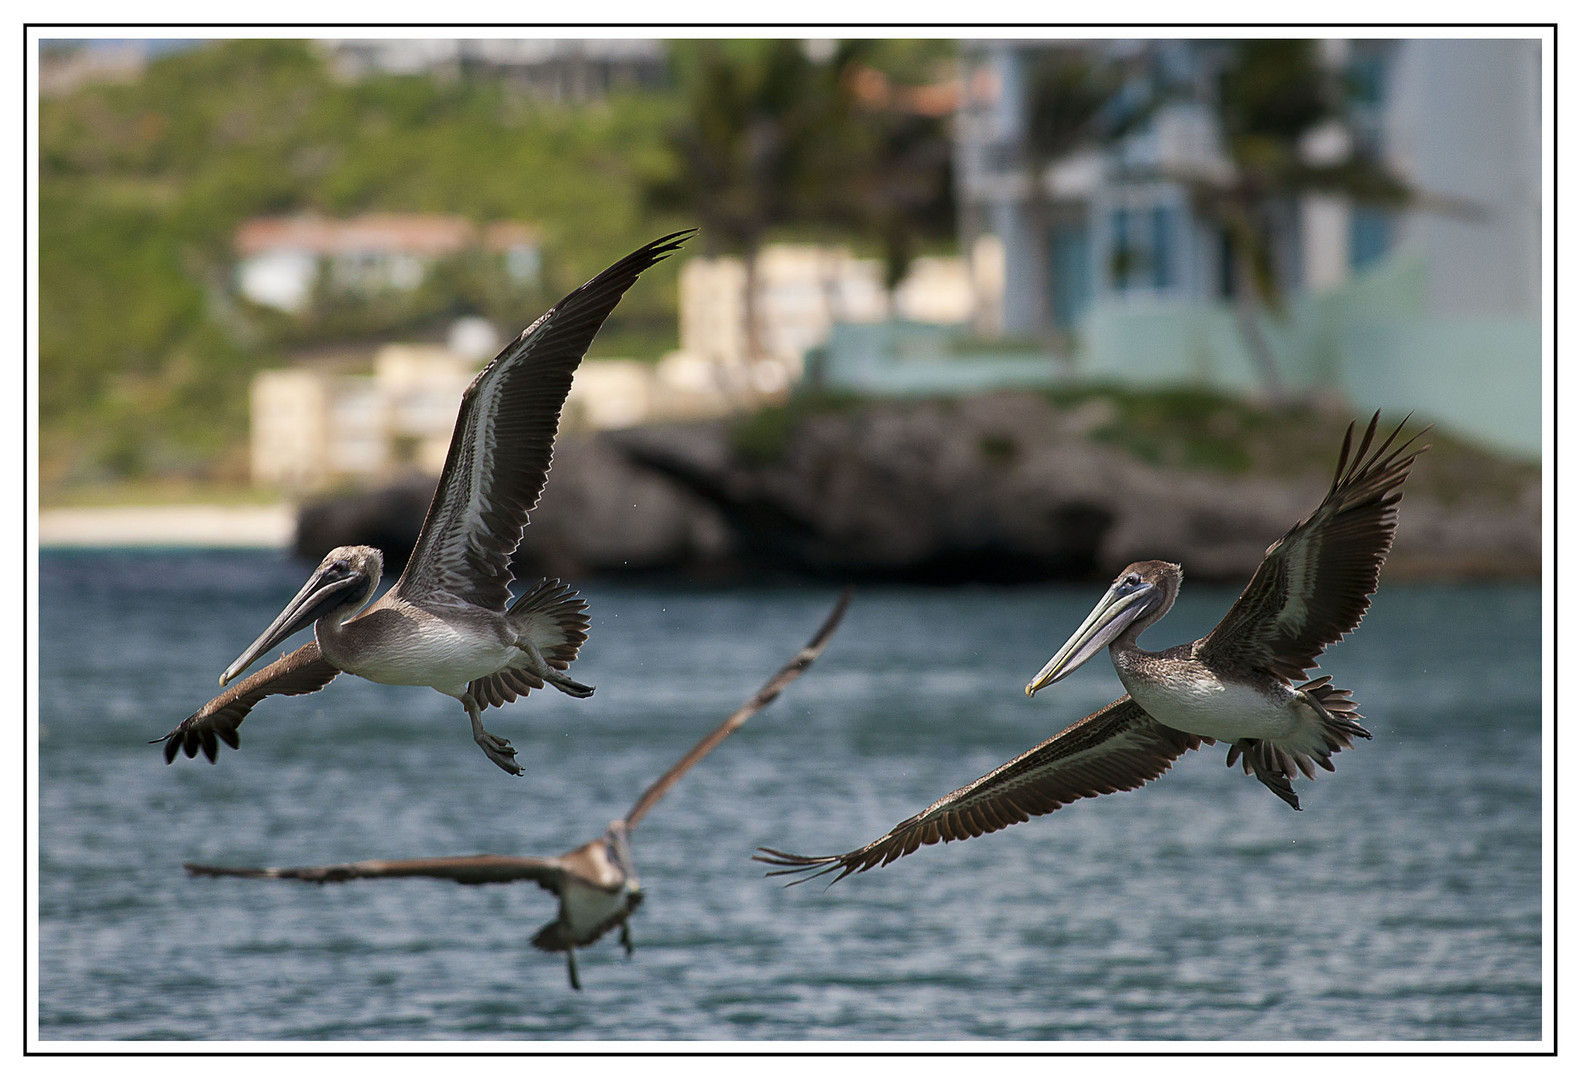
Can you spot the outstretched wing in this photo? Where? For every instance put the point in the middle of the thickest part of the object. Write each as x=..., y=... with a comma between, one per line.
x=503, y=443
x=766, y=694
x=1117, y=748
x=300, y=672
x=464, y=869
x=1314, y=584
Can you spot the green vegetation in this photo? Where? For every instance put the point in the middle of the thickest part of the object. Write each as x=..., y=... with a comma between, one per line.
x=1181, y=429
x=1198, y=429
x=145, y=356
x=1270, y=96
x=1205, y=430
x=999, y=448
x=761, y=437
x=770, y=137
x=146, y=352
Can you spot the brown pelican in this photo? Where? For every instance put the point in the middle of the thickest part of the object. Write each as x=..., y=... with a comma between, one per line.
x=1235, y=684
x=596, y=883
x=445, y=624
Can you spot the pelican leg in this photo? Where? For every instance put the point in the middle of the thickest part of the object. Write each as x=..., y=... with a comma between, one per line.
x=541, y=668
x=570, y=968
x=625, y=936
x=499, y=750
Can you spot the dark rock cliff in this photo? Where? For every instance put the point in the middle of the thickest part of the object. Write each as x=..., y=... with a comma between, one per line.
x=1001, y=488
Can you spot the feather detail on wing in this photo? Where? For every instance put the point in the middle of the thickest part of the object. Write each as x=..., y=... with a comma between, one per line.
x=554, y=617
x=504, y=440
x=464, y=869
x=1314, y=584
x=299, y=672
x=1117, y=748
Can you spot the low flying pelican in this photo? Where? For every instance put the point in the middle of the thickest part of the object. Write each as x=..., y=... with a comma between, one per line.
x=445, y=624
x=1235, y=684
x=596, y=883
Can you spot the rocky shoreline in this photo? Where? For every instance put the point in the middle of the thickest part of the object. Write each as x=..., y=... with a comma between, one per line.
x=1003, y=488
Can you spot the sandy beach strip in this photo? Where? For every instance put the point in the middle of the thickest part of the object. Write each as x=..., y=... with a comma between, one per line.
x=168, y=526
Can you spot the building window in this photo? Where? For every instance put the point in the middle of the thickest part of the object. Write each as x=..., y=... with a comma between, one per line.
x=1142, y=248
x=1226, y=266
x=1367, y=81
x=1370, y=235
x=1163, y=254
x=1070, y=274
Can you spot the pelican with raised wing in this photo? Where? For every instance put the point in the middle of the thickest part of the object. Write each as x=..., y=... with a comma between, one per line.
x=596, y=883
x=1237, y=684
x=446, y=623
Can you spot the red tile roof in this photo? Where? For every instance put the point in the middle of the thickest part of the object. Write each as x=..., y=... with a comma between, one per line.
x=413, y=234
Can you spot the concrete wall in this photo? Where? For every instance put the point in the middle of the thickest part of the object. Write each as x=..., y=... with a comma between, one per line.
x=916, y=359
x=1373, y=341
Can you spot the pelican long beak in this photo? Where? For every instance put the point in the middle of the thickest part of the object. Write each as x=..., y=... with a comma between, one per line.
x=326, y=590
x=616, y=837
x=1120, y=607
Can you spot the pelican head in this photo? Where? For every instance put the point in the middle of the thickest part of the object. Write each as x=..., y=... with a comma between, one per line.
x=343, y=582
x=1138, y=597
x=618, y=847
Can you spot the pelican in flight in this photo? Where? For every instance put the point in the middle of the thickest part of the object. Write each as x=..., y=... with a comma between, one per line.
x=445, y=624
x=596, y=883
x=1237, y=684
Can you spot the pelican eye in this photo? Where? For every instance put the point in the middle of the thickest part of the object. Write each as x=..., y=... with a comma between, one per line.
x=339, y=566
x=1131, y=579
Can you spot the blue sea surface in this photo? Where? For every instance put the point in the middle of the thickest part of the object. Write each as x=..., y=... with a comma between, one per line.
x=1403, y=903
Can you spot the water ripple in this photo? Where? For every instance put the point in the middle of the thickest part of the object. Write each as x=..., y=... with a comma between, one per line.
x=1404, y=903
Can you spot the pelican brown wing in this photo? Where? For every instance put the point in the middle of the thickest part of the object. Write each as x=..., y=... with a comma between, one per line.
x=301, y=672
x=1117, y=748
x=503, y=442
x=1314, y=583
x=464, y=869
x=758, y=701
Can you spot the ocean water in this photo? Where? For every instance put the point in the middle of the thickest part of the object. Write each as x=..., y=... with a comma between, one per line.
x=1403, y=903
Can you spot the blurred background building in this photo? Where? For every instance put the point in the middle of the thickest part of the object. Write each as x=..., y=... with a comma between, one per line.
x=318, y=423
x=1354, y=223
x=281, y=261
x=1431, y=303
x=560, y=70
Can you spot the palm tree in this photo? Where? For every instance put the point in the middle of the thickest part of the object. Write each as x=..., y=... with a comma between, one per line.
x=771, y=136
x=744, y=153
x=1075, y=101
x=885, y=163
x=1270, y=96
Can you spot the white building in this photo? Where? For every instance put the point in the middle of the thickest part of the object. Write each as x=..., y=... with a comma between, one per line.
x=309, y=427
x=280, y=261
x=1104, y=255
x=312, y=427
x=552, y=69
x=802, y=291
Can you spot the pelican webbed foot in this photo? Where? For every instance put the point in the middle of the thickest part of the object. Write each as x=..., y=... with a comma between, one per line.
x=500, y=751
